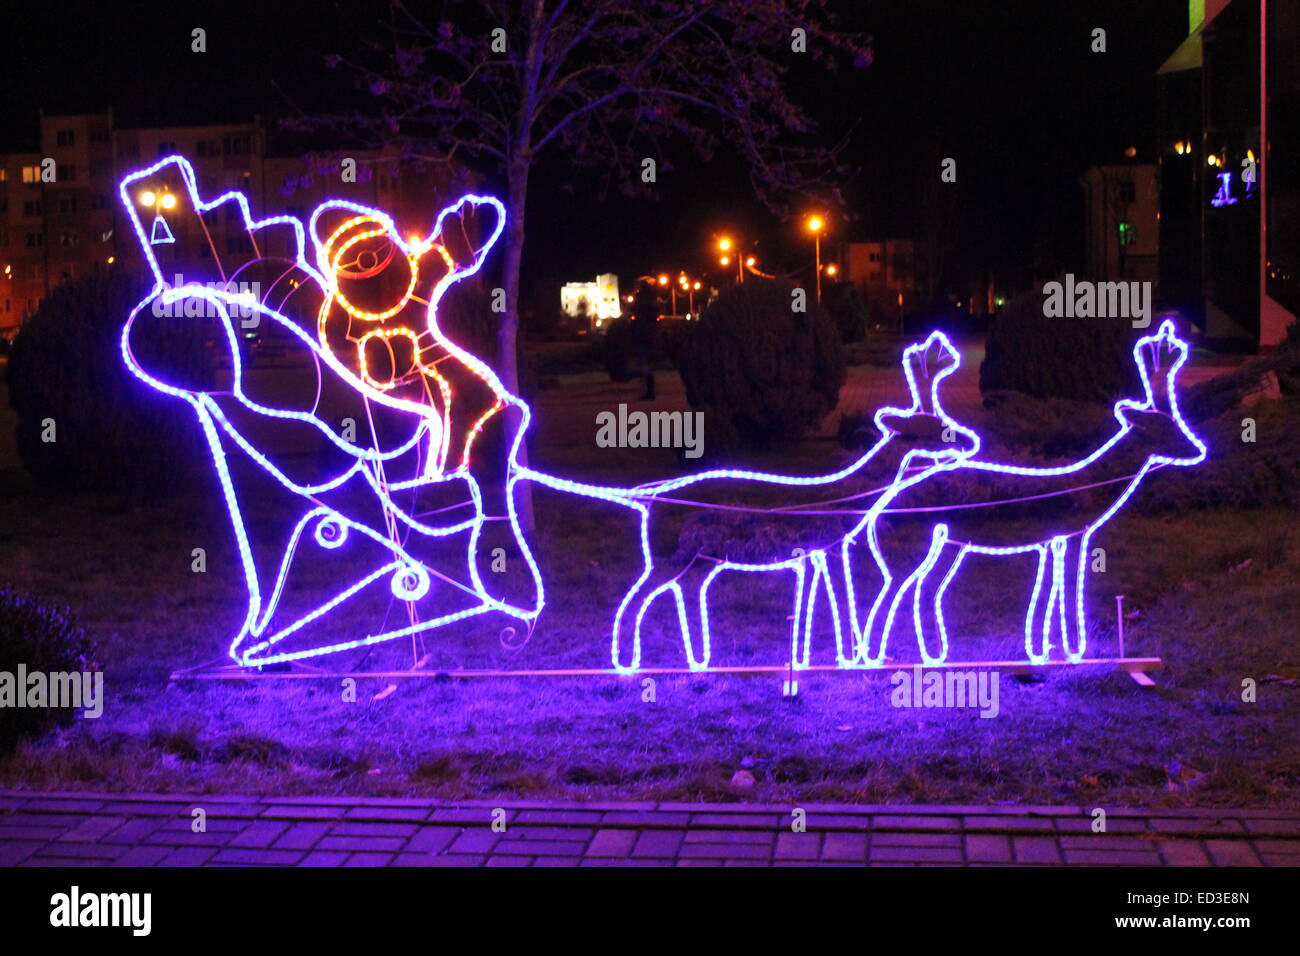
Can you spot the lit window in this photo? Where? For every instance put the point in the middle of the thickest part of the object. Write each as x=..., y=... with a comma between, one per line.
x=31, y=174
x=1127, y=234
x=65, y=137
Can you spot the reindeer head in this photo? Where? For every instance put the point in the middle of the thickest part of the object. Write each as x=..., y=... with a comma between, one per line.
x=925, y=427
x=1156, y=419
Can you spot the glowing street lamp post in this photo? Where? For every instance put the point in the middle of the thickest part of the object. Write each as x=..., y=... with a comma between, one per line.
x=725, y=245
x=815, y=226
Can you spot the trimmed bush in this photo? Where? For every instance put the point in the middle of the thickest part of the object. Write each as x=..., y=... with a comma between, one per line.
x=771, y=372
x=111, y=431
x=616, y=350
x=1087, y=360
x=41, y=639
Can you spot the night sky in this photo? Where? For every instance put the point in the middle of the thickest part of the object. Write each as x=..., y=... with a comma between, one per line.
x=1009, y=89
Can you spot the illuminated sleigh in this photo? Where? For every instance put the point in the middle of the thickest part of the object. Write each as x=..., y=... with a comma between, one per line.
x=410, y=437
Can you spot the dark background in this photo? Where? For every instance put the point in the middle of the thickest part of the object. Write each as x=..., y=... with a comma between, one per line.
x=1009, y=89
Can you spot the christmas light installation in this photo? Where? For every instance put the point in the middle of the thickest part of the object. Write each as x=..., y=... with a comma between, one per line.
x=393, y=355
x=935, y=436
x=375, y=475
x=919, y=547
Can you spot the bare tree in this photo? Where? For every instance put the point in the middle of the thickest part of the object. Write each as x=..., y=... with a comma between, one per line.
x=497, y=83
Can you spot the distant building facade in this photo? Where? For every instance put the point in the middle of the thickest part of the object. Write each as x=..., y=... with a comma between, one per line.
x=1122, y=223
x=597, y=302
x=60, y=213
x=1229, y=131
x=884, y=273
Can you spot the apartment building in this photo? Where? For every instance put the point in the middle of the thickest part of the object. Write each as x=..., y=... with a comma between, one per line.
x=61, y=215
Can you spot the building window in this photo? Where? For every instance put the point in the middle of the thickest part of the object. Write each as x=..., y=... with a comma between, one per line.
x=236, y=145
x=65, y=137
x=4, y=204
x=1127, y=192
x=31, y=174
x=99, y=134
x=68, y=238
x=166, y=149
x=101, y=169
x=68, y=172
x=34, y=240
x=32, y=208
x=68, y=204
x=1127, y=234
x=98, y=201
x=4, y=175
x=128, y=149
x=208, y=147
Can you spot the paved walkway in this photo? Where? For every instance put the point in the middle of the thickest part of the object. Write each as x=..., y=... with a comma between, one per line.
x=97, y=829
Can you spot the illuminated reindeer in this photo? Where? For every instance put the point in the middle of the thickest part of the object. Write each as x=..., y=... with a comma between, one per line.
x=924, y=429
x=919, y=547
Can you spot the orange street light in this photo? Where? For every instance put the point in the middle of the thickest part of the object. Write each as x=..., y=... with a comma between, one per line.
x=832, y=270
x=815, y=226
x=724, y=244
x=663, y=279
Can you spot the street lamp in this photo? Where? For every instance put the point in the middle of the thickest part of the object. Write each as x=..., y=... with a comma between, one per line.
x=725, y=245
x=815, y=226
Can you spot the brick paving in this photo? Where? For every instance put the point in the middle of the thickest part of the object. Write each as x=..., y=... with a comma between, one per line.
x=140, y=829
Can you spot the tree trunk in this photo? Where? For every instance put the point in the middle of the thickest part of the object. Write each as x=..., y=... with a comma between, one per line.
x=508, y=333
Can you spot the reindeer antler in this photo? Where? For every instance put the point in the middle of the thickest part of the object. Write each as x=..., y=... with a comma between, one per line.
x=927, y=364
x=1159, y=357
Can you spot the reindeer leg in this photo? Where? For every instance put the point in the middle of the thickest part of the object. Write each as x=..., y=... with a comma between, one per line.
x=694, y=611
x=852, y=555
x=902, y=565
x=927, y=603
x=846, y=653
x=1054, y=617
x=805, y=598
x=1037, y=647
x=918, y=578
x=632, y=607
x=1074, y=575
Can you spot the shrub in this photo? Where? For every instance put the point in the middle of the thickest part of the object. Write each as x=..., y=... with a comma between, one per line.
x=41, y=639
x=1088, y=360
x=112, y=432
x=616, y=350
x=771, y=372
